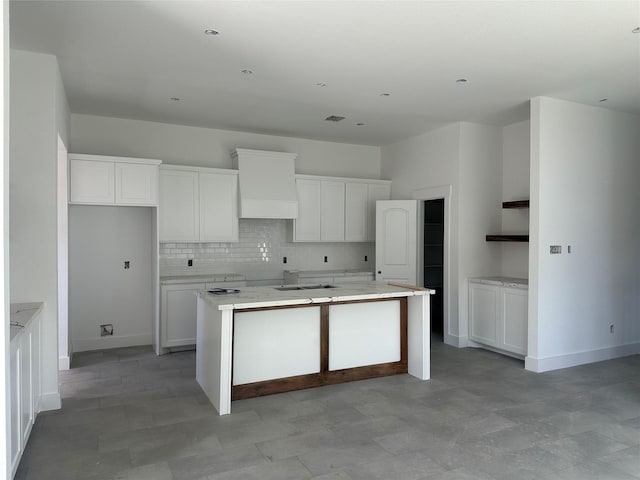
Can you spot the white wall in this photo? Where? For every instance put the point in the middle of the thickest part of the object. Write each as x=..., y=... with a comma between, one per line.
x=204, y=147
x=430, y=160
x=584, y=193
x=101, y=291
x=467, y=157
x=516, y=155
x=38, y=114
x=480, y=205
x=5, y=411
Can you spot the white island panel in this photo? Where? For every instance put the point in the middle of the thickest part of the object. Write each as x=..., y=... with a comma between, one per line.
x=355, y=328
x=269, y=344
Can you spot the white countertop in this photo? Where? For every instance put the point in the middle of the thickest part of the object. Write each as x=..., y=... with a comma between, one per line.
x=256, y=297
x=503, y=281
x=21, y=314
x=201, y=278
x=329, y=273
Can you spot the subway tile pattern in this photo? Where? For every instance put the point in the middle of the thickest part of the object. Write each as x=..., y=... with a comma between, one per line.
x=259, y=253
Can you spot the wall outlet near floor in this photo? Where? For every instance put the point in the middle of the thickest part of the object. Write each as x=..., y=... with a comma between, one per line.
x=366, y=259
x=190, y=262
x=127, y=264
x=284, y=259
x=106, y=329
x=611, y=328
x=326, y=259
x=555, y=249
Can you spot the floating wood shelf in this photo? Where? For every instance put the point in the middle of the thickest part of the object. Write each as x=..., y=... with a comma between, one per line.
x=516, y=204
x=507, y=238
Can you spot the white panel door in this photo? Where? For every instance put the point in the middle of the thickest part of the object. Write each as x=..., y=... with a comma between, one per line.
x=355, y=221
x=396, y=241
x=178, y=209
x=306, y=228
x=332, y=211
x=218, y=207
x=178, y=314
x=136, y=184
x=377, y=191
x=483, y=313
x=91, y=182
x=513, y=321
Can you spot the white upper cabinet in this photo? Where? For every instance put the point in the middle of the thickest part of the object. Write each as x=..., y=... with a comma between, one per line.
x=179, y=206
x=355, y=212
x=102, y=180
x=307, y=225
x=136, y=184
x=332, y=211
x=198, y=204
x=91, y=182
x=337, y=209
x=218, y=207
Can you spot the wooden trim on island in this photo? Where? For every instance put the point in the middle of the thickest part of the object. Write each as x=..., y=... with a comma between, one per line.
x=326, y=376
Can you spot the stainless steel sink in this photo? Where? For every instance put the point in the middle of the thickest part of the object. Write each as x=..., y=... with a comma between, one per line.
x=289, y=288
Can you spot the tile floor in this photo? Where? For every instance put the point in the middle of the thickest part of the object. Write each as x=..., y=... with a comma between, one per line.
x=128, y=414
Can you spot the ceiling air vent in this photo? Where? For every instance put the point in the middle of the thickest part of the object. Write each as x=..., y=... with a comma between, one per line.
x=334, y=118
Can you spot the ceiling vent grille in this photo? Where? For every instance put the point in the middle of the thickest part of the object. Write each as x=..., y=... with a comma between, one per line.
x=334, y=118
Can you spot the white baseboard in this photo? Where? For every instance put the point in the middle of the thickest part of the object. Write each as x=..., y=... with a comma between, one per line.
x=50, y=401
x=459, y=341
x=64, y=363
x=556, y=362
x=99, y=343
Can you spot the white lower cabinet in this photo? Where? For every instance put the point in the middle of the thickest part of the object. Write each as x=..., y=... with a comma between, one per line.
x=178, y=311
x=498, y=316
x=24, y=376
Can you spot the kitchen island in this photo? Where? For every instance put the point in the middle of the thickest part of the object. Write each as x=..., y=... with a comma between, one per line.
x=264, y=340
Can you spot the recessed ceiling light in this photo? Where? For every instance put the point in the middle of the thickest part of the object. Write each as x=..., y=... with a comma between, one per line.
x=636, y=30
x=461, y=80
x=385, y=94
x=321, y=84
x=246, y=71
x=174, y=99
x=360, y=124
x=211, y=31
x=603, y=100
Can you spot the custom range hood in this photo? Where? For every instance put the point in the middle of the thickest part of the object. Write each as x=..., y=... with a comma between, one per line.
x=267, y=183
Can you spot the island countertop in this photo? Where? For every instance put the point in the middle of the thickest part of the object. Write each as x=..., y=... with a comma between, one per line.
x=269, y=296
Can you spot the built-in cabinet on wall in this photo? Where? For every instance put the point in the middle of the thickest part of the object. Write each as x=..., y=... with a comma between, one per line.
x=498, y=313
x=25, y=373
x=198, y=204
x=104, y=180
x=337, y=209
x=178, y=315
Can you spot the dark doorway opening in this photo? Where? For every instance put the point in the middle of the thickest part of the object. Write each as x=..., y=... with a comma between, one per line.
x=434, y=259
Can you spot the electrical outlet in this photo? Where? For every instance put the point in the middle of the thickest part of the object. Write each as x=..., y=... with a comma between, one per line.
x=127, y=264
x=366, y=259
x=326, y=259
x=611, y=328
x=106, y=329
x=555, y=249
x=284, y=259
x=568, y=248
x=190, y=262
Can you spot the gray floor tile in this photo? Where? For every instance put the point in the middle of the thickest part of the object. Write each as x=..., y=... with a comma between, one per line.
x=128, y=414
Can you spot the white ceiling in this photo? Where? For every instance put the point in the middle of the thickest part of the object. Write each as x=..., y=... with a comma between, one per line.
x=127, y=59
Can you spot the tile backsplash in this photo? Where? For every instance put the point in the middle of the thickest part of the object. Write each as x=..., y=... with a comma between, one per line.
x=259, y=254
